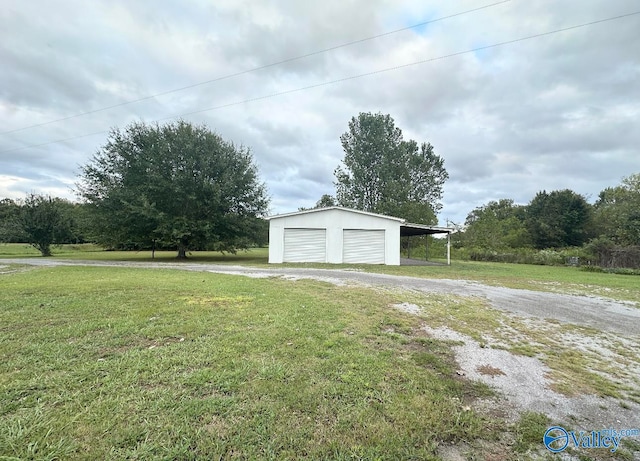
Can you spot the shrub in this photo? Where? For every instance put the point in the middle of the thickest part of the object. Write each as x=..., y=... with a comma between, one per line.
x=608, y=255
x=546, y=257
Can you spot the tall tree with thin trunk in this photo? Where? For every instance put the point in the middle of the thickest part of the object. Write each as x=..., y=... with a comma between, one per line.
x=325, y=201
x=383, y=173
x=9, y=230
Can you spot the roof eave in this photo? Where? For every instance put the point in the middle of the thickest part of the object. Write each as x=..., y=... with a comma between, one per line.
x=315, y=210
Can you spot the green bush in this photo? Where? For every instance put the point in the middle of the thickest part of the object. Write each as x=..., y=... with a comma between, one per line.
x=546, y=257
x=609, y=255
x=592, y=269
x=612, y=270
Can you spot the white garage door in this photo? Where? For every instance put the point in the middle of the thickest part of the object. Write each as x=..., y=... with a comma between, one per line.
x=363, y=246
x=305, y=245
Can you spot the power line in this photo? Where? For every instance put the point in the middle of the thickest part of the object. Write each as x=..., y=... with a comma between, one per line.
x=54, y=142
x=402, y=66
x=352, y=77
x=255, y=69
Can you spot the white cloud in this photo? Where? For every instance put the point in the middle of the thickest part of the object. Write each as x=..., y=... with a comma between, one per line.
x=553, y=112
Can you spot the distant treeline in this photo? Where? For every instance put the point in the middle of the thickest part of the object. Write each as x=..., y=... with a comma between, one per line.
x=556, y=226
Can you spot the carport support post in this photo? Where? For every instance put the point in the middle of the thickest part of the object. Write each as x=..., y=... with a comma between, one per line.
x=426, y=247
x=408, y=247
x=448, y=248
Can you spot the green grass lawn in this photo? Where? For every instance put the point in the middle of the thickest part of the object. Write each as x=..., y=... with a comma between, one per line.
x=125, y=363
x=120, y=363
x=254, y=256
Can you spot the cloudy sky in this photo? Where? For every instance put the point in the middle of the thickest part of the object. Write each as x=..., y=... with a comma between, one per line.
x=560, y=110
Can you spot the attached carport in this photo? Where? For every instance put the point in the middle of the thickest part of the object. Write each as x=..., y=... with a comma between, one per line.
x=338, y=235
x=334, y=235
x=412, y=230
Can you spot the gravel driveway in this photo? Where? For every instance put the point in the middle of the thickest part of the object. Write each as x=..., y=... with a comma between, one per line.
x=599, y=313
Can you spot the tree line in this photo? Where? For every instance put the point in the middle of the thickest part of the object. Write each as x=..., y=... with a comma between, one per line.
x=383, y=173
x=606, y=230
x=557, y=219
x=182, y=187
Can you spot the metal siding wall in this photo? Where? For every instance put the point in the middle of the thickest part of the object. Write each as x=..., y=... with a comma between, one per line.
x=363, y=246
x=305, y=245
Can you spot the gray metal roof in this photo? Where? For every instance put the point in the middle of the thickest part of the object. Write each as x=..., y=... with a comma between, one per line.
x=406, y=229
x=318, y=210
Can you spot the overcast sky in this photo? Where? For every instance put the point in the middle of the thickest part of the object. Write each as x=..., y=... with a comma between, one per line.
x=553, y=112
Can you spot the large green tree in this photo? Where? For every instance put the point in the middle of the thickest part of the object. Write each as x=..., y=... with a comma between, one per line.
x=617, y=212
x=177, y=184
x=324, y=202
x=559, y=219
x=383, y=173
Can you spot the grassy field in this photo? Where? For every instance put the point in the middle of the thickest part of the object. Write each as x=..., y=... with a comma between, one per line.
x=124, y=363
x=559, y=279
x=118, y=363
x=256, y=256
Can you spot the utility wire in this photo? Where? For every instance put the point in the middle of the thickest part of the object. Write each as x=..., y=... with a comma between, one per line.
x=255, y=69
x=352, y=77
x=402, y=66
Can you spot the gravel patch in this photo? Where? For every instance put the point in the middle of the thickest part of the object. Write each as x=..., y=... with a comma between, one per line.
x=293, y=278
x=523, y=386
x=408, y=307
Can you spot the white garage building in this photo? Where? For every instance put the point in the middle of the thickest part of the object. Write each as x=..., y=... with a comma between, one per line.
x=340, y=235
